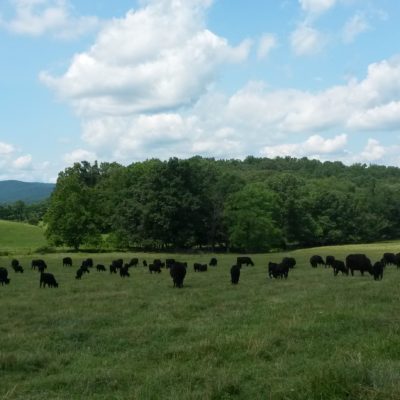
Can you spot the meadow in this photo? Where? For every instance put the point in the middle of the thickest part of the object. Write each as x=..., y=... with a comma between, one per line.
x=312, y=336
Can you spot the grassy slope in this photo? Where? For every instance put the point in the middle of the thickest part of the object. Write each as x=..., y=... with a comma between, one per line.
x=313, y=336
x=16, y=237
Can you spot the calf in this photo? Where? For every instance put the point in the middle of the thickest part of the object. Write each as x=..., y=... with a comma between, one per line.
x=144, y=263
x=100, y=267
x=18, y=268
x=67, y=262
x=339, y=266
x=200, y=267
x=154, y=268
x=244, y=260
x=377, y=270
x=124, y=271
x=4, y=280
x=134, y=262
x=235, y=274
x=278, y=270
x=48, y=279
x=213, y=262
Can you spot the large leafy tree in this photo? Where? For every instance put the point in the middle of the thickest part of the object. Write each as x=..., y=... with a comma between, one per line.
x=251, y=218
x=73, y=218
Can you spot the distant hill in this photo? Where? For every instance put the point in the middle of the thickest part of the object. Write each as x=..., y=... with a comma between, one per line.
x=28, y=192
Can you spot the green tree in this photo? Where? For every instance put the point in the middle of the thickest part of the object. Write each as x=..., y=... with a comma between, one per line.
x=251, y=219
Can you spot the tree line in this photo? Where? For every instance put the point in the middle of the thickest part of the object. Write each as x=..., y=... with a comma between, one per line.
x=257, y=204
x=21, y=212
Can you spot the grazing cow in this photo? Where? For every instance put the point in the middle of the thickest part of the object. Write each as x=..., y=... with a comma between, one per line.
x=199, y=267
x=84, y=267
x=377, y=270
x=67, y=262
x=389, y=258
x=235, y=274
x=79, y=273
x=397, y=260
x=154, y=268
x=213, y=262
x=278, y=270
x=4, y=280
x=339, y=266
x=39, y=264
x=244, y=260
x=329, y=261
x=15, y=265
x=358, y=262
x=113, y=269
x=290, y=262
x=100, y=267
x=117, y=264
x=18, y=268
x=144, y=263
x=48, y=279
x=134, y=262
x=159, y=262
x=316, y=260
x=124, y=271
x=178, y=273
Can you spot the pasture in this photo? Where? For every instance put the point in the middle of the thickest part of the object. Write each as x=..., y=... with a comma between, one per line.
x=20, y=238
x=312, y=336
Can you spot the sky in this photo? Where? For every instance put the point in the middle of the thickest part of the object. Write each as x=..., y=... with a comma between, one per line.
x=130, y=80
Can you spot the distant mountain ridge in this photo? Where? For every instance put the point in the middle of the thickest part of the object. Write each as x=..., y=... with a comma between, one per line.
x=28, y=192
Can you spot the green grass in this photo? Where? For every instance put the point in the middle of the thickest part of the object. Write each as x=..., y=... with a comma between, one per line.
x=313, y=336
x=20, y=238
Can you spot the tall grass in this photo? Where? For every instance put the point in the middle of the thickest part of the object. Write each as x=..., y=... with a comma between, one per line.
x=313, y=336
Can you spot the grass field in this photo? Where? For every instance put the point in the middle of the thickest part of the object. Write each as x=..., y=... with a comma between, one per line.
x=19, y=238
x=313, y=336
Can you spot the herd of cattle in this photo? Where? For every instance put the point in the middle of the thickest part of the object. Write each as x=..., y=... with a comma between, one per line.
x=177, y=269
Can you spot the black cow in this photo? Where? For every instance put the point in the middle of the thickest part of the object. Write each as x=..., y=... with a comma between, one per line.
x=397, y=259
x=290, y=262
x=15, y=265
x=377, y=270
x=169, y=262
x=389, y=258
x=329, y=261
x=244, y=260
x=48, y=279
x=178, y=273
x=134, y=262
x=117, y=264
x=88, y=263
x=67, y=262
x=358, y=262
x=113, y=269
x=84, y=267
x=4, y=280
x=316, y=260
x=144, y=263
x=213, y=262
x=235, y=274
x=39, y=264
x=79, y=273
x=100, y=267
x=124, y=271
x=154, y=268
x=199, y=267
x=159, y=262
x=278, y=270
x=339, y=266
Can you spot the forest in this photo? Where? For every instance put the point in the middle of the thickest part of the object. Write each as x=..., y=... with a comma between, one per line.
x=254, y=205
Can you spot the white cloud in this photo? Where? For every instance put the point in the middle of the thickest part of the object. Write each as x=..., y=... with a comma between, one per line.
x=267, y=43
x=354, y=27
x=314, y=145
x=317, y=6
x=169, y=63
x=22, y=162
x=40, y=17
x=79, y=155
x=6, y=148
x=373, y=151
x=306, y=40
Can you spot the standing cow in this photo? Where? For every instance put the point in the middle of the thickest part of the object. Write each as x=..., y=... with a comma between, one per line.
x=235, y=274
x=358, y=262
x=316, y=260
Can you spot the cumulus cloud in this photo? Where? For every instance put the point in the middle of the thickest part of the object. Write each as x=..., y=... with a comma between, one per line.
x=306, y=40
x=159, y=57
x=6, y=148
x=317, y=7
x=314, y=145
x=79, y=155
x=22, y=162
x=354, y=27
x=267, y=43
x=373, y=151
x=55, y=17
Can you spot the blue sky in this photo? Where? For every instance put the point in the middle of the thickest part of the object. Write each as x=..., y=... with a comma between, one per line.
x=129, y=80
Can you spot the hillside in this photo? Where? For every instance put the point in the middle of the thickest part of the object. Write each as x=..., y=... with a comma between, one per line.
x=28, y=192
x=19, y=238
